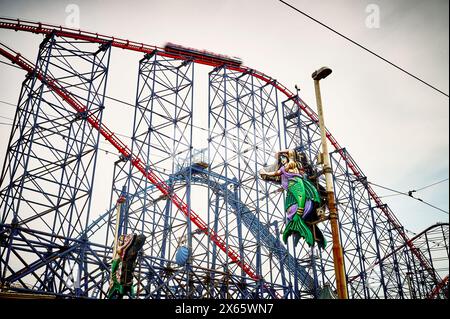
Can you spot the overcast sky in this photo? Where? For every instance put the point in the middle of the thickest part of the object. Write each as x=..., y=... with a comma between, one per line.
x=395, y=127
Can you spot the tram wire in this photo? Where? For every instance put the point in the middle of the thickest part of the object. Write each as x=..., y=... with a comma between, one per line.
x=409, y=194
x=364, y=48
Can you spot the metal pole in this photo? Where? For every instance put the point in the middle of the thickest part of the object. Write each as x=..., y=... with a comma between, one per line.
x=338, y=257
x=120, y=202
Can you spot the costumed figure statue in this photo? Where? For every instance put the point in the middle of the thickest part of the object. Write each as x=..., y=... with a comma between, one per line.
x=123, y=265
x=303, y=202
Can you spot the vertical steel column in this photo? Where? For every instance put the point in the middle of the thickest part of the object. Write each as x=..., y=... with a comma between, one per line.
x=445, y=239
x=410, y=275
x=378, y=252
x=396, y=267
x=387, y=245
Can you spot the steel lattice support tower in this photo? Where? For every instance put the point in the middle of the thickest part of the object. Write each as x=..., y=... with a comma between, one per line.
x=366, y=233
x=162, y=138
x=244, y=136
x=49, y=171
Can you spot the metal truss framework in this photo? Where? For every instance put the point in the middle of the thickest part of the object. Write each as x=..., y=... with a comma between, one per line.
x=162, y=138
x=235, y=249
x=375, y=266
x=49, y=171
x=244, y=134
x=433, y=242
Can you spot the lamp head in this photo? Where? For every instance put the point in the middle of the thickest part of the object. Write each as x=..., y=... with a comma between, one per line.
x=321, y=73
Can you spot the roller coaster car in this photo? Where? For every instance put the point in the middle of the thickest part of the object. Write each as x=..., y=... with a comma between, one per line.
x=202, y=55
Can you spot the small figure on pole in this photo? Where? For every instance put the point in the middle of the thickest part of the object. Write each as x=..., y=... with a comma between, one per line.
x=123, y=265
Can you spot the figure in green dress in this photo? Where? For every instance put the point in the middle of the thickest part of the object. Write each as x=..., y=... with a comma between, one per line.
x=303, y=200
x=122, y=266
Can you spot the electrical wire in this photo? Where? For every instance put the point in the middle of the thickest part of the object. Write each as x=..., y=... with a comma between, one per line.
x=7, y=118
x=391, y=195
x=409, y=194
x=11, y=65
x=415, y=190
x=364, y=48
x=7, y=103
x=446, y=179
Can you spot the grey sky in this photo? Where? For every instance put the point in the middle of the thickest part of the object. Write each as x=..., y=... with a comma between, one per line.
x=395, y=127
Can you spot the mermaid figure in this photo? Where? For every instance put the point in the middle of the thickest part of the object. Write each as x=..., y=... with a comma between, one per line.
x=302, y=199
x=122, y=266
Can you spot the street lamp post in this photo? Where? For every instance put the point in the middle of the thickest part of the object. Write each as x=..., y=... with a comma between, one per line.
x=338, y=257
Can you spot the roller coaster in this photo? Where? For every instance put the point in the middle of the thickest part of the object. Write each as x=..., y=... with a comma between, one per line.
x=53, y=244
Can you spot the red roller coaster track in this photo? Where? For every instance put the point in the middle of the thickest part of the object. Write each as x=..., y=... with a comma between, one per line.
x=42, y=28
x=439, y=287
